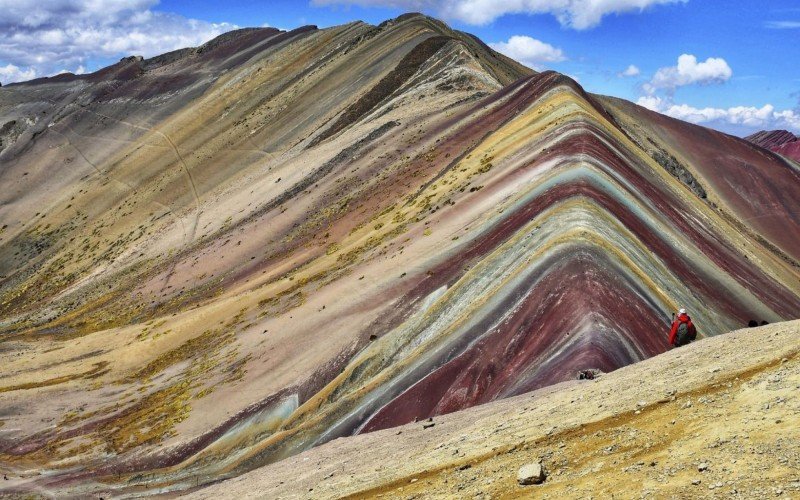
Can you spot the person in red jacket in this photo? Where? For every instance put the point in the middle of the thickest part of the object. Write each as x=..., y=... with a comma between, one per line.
x=683, y=330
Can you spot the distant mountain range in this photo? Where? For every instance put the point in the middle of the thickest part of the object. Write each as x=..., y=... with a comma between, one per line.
x=222, y=256
x=779, y=141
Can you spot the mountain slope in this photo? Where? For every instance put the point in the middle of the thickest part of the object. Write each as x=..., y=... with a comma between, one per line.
x=778, y=141
x=326, y=232
x=592, y=438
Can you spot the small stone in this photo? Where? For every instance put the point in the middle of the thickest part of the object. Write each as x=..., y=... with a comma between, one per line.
x=702, y=467
x=531, y=474
x=695, y=482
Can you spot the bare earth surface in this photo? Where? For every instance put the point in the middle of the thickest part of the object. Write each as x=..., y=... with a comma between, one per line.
x=728, y=405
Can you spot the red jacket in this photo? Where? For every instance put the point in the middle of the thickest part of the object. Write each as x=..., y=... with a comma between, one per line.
x=682, y=318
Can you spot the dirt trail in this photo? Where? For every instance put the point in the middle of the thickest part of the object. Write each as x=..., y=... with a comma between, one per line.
x=728, y=405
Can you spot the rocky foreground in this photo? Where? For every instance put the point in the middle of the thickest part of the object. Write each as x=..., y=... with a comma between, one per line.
x=720, y=418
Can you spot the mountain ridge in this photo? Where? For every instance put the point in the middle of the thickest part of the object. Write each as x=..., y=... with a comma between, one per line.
x=778, y=141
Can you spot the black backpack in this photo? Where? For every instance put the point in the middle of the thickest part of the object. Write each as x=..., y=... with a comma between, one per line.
x=683, y=337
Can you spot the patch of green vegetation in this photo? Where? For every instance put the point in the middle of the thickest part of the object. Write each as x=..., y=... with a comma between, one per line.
x=150, y=421
x=98, y=370
x=208, y=341
x=282, y=302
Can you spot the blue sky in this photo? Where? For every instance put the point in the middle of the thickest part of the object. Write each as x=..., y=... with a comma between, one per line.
x=736, y=71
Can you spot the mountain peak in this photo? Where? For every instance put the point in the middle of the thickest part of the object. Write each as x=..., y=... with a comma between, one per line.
x=411, y=16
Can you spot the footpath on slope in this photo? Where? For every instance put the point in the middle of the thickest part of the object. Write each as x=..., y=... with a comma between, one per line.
x=719, y=418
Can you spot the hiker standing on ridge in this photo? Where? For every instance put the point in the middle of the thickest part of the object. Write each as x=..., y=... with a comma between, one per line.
x=683, y=330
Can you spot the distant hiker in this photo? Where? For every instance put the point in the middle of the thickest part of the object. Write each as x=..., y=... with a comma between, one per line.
x=683, y=330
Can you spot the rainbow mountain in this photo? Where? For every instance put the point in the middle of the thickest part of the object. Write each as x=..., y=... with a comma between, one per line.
x=225, y=255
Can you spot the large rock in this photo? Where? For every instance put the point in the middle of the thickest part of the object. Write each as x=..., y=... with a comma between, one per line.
x=531, y=474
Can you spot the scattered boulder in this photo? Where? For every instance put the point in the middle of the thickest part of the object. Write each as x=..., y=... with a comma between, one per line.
x=532, y=473
x=589, y=374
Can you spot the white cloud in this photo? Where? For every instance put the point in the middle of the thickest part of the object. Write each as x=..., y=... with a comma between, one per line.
x=529, y=51
x=44, y=13
x=577, y=14
x=651, y=102
x=782, y=25
x=688, y=72
x=631, y=70
x=659, y=96
x=765, y=117
x=11, y=73
x=49, y=35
